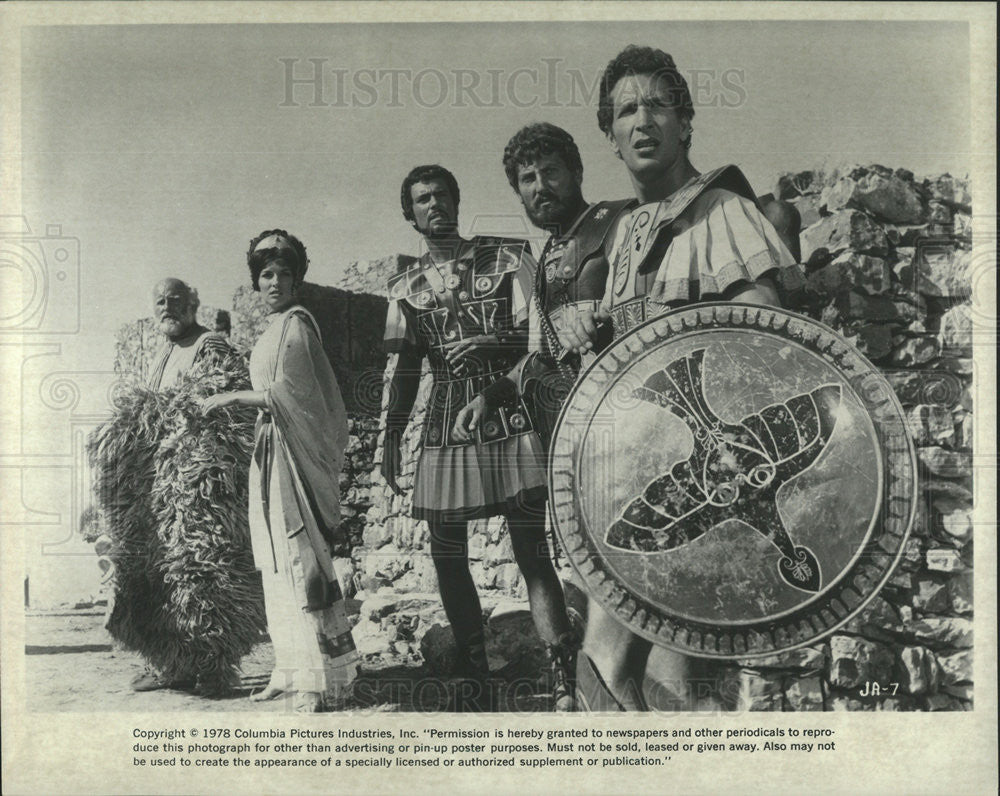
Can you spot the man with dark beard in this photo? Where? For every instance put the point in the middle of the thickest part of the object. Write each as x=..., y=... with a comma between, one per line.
x=543, y=167
x=464, y=306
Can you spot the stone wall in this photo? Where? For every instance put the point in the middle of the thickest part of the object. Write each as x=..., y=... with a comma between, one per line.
x=372, y=276
x=888, y=262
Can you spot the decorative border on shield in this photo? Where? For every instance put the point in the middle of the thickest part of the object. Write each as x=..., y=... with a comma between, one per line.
x=854, y=587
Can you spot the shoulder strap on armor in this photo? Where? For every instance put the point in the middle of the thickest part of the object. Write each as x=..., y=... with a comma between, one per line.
x=407, y=282
x=617, y=206
x=728, y=177
x=668, y=211
x=495, y=256
x=589, y=235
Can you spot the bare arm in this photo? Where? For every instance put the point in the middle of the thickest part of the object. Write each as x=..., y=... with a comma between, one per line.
x=254, y=398
x=402, y=395
x=763, y=291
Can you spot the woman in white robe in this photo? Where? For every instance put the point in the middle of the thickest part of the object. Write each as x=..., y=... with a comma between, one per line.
x=294, y=492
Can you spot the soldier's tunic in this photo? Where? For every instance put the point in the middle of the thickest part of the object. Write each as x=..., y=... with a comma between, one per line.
x=693, y=246
x=486, y=290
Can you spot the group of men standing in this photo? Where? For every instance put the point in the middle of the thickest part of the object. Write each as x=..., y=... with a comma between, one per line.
x=475, y=308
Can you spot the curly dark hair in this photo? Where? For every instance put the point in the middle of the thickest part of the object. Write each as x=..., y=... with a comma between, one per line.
x=257, y=260
x=635, y=60
x=425, y=174
x=537, y=140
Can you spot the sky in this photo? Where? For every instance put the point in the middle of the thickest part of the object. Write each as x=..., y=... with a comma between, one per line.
x=163, y=149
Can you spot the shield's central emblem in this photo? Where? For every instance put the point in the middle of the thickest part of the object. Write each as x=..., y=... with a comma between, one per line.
x=734, y=471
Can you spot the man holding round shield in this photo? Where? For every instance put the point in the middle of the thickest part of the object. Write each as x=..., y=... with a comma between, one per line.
x=692, y=237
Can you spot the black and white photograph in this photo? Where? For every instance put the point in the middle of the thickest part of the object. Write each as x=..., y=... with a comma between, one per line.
x=582, y=391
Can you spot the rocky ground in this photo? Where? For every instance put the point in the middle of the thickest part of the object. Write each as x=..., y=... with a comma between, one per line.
x=73, y=666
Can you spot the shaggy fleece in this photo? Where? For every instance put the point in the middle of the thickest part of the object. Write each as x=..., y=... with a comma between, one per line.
x=171, y=486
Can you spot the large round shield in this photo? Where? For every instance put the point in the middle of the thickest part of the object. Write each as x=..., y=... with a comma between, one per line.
x=731, y=480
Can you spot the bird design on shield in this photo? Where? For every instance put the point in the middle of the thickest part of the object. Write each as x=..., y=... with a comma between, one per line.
x=733, y=473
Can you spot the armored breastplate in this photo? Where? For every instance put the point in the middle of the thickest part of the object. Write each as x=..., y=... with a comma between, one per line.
x=473, y=297
x=576, y=266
